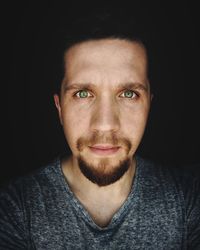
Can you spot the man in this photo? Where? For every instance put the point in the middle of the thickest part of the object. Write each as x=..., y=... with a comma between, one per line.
x=103, y=196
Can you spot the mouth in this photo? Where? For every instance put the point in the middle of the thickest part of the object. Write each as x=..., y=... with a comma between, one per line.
x=104, y=149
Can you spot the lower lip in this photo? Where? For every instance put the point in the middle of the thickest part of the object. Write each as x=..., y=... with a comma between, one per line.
x=104, y=151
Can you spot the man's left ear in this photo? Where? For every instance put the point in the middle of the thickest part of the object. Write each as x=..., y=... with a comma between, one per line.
x=152, y=97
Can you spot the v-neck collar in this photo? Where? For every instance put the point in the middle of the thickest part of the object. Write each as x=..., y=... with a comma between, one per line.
x=80, y=209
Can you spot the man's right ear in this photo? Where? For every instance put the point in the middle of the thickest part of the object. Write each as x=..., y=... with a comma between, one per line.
x=57, y=104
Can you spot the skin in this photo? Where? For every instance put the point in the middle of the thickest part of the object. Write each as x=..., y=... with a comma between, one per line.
x=109, y=114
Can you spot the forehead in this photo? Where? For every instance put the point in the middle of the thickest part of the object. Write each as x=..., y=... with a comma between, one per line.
x=106, y=59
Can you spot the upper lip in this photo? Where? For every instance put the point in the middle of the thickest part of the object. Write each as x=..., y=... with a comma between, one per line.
x=104, y=146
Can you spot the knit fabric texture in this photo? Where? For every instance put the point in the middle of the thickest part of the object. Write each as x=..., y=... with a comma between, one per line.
x=162, y=211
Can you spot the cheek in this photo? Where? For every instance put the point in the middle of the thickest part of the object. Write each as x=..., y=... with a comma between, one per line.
x=75, y=122
x=134, y=122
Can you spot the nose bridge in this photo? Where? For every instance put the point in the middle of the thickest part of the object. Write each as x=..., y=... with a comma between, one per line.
x=105, y=116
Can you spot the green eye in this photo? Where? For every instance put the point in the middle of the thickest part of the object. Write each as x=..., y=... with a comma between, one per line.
x=82, y=94
x=129, y=94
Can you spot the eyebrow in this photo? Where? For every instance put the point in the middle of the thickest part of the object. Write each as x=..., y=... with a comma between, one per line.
x=128, y=85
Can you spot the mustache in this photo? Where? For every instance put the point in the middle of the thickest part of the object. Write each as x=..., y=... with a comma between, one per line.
x=97, y=138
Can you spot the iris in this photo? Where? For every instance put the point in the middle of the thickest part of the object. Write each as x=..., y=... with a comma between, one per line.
x=129, y=93
x=83, y=94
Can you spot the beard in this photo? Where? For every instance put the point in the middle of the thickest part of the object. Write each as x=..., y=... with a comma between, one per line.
x=103, y=175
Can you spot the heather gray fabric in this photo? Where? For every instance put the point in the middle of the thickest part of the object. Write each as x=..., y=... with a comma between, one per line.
x=162, y=212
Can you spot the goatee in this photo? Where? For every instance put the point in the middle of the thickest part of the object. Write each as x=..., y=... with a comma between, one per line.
x=103, y=175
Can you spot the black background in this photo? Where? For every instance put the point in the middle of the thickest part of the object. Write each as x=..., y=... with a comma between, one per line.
x=31, y=134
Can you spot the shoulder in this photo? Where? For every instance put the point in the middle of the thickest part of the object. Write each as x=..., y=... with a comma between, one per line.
x=28, y=185
x=15, y=200
x=183, y=178
x=180, y=186
x=181, y=183
x=22, y=195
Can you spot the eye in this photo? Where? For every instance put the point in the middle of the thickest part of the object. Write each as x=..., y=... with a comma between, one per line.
x=82, y=94
x=129, y=94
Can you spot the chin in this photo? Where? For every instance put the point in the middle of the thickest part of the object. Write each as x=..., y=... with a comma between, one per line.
x=104, y=172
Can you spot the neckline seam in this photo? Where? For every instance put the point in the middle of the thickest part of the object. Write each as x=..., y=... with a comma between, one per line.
x=84, y=213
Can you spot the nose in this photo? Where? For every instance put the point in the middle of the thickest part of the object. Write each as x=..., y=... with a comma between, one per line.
x=105, y=116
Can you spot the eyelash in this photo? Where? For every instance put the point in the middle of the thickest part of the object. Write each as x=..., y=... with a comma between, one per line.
x=134, y=92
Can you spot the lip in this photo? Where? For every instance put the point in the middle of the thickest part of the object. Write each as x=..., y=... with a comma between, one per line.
x=101, y=149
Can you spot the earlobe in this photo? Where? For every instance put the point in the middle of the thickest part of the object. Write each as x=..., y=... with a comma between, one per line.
x=57, y=104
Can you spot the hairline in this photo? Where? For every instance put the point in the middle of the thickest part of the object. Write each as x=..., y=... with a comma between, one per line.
x=71, y=44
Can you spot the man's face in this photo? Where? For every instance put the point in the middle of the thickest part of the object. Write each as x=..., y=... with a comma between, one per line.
x=104, y=105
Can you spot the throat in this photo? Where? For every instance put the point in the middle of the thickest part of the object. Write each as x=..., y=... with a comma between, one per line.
x=100, y=203
x=102, y=215
x=102, y=212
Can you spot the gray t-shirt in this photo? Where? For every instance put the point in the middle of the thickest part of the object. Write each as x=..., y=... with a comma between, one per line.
x=162, y=211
